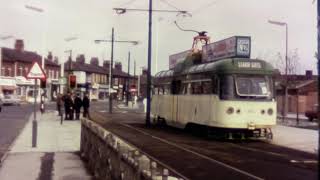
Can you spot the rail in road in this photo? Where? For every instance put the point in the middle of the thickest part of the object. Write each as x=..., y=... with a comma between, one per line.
x=198, y=158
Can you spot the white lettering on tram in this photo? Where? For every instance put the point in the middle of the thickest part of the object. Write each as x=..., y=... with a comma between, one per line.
x=249, y=65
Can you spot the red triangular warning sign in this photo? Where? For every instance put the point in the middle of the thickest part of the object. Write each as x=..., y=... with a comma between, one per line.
x=36, y=72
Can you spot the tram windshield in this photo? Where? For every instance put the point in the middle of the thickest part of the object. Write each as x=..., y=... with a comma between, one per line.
x=252, y=86
x=245, y=87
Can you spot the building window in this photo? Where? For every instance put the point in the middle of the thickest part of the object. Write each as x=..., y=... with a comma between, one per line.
x=9, y=71
x=20, y=72
x=26, y=71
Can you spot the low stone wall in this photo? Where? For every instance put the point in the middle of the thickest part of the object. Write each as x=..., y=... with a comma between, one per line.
x=110, y=158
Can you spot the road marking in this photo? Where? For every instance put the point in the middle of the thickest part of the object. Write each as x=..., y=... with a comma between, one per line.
x=195, y=153
x=102, y=111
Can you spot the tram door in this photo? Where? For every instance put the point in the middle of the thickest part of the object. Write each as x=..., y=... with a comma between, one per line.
x=175, y=90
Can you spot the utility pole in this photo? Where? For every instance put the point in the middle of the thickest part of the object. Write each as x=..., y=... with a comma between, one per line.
x=110, y=72
x=318, y=57
x=111, y=63
x=149, y=65
x=128, y=81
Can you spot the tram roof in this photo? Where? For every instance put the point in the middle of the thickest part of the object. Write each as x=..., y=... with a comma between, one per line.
x=228, y=66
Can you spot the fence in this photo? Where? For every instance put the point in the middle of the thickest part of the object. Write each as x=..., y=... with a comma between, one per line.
x=110, y=158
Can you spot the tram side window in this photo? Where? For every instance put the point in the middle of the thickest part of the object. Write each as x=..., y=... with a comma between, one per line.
x=215, y=85
x=206, y=87
x=196, y=88
x=166, y=90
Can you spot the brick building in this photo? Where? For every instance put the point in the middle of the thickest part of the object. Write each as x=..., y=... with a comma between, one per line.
x=94, y=79
x=15, y=64
x=302, y=92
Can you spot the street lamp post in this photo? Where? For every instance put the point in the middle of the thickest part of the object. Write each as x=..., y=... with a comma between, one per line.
x=111, y=63
x=150, y=10
x=128, y=81
x=285, y=103
x=39, y=10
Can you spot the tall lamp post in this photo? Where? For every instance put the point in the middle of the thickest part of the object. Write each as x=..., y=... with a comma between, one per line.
x=150, y=10
x=112, y=41
x=285, y=103
x=39, y=10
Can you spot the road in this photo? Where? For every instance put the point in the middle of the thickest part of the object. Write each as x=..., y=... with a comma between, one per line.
x=12, y=120
x=201, y=158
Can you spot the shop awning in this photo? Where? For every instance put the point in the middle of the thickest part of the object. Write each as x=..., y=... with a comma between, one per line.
x=8, y=87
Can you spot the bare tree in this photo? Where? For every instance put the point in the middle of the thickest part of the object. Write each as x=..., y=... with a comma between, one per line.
x=293, y=62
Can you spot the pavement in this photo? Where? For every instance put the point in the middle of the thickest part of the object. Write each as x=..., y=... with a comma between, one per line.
x=55, y=157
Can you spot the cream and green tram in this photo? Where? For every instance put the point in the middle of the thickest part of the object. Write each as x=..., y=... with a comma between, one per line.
x=231, y=97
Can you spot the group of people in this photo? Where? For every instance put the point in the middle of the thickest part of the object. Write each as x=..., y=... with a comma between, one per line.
x=72, y=105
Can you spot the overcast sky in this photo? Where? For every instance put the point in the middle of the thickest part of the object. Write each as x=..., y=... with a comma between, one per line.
x=93, y=19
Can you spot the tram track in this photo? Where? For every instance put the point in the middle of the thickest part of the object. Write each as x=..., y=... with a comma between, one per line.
x=208, y=151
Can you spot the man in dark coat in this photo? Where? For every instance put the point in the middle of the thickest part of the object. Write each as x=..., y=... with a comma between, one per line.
x=86, y=105
x=67, y=105
x=77, y=106
x=71, y=112
x=59, y=103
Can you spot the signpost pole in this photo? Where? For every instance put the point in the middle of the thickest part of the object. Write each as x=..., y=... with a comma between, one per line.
x=34, y=122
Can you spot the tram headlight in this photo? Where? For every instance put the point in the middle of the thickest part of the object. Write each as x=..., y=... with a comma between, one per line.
x=270, y=111
x=230, y=110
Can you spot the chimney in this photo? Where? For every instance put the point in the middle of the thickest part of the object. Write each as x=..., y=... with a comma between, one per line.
x=106, y=64
x=118, y=66
x=94, y=61
x=56, y=60
x=50, y=57
x=19, y=45
x=309, y=74
x=80, y=59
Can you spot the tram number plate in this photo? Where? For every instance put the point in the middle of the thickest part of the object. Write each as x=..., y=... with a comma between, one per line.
x=249, y=65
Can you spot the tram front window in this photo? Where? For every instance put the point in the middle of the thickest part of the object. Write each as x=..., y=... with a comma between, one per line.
x=257, y=87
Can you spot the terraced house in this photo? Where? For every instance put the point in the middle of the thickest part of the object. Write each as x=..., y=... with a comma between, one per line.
x=94, y=79
x=15, y=64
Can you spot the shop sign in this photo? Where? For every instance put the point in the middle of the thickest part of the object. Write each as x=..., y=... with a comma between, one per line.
x=62, y=80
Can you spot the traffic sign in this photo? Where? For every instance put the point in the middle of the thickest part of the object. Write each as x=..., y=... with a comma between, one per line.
x=62, y=80
x=36, y=72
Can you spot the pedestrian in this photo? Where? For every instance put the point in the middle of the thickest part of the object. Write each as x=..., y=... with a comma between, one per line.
x=77, y=106
x=71, y=112
x=67, y=104
x=59, y=103
x=86, y=105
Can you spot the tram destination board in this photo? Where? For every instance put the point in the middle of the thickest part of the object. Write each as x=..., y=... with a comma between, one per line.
x=236, y=46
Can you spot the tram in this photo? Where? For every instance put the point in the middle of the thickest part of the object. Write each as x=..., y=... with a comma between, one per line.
x=232, y=96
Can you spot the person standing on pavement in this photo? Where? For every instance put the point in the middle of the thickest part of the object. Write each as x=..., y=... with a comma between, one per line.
x=67, y=104
x=59, y=103
x=77, y=106
x=71, y=106
x=86, y=105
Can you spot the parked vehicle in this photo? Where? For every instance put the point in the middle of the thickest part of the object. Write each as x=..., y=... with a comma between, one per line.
x=11, y=100
x=312, y=114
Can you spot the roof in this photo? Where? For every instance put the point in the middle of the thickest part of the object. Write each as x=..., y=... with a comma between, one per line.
x=230, y=65
x=13, y=55
x=90, y=68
